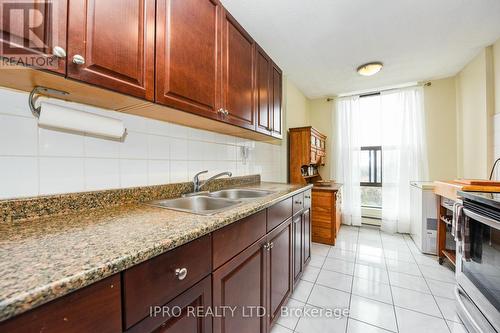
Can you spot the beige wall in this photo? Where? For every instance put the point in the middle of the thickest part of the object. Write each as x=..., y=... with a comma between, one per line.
x=496, y=75
x=441, y=128
x=475, y=105
x=296, y=106
x=321, y=113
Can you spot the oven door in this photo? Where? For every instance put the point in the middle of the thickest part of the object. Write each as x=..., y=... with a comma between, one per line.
x=478, y=293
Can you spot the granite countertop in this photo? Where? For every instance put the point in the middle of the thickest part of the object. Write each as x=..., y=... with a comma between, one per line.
x=45, y=258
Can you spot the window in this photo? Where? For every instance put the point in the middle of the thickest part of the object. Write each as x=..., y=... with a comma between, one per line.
x=371, y=166
x=371, y=177
x=371, y=155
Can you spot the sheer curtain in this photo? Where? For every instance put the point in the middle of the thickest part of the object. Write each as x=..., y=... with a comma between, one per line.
x=404, y=152
x=347, y=151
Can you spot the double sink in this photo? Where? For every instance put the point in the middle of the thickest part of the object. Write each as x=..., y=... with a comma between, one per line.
x=211, y=203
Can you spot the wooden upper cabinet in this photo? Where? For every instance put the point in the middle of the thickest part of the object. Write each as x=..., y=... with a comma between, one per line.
x=111, y=44
x=263, y=91
x=33, y=32
x=188, y=55
x=238, y=73
x=276, y=100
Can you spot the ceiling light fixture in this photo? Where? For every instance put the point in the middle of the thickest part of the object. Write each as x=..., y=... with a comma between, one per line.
x=370, y=68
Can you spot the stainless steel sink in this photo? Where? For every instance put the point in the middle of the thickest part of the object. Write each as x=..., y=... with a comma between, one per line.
x=240, y=194
x=202, y=205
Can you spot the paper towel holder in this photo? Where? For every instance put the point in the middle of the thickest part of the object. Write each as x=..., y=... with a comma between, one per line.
x=38, y=90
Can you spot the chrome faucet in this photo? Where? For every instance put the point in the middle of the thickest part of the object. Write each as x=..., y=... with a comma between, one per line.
x=198, y=184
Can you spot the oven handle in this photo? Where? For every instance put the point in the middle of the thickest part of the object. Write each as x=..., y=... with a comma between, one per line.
x=483, y=219
x=459, y=294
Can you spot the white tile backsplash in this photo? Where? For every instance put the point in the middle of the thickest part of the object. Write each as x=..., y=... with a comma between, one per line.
x=18, y=177
x=133, y=173
x=61, y=175
x=102, y=173
x=56, y=143
x=18, y=136
x=38, y=161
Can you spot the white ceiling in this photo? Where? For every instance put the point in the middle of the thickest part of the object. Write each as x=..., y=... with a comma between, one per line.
x=320, y=43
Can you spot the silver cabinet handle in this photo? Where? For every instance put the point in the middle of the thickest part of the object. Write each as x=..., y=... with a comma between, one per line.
x=59, y=52
x=226, y=113
x=268, y=246
x=78, y=59
x=221, y=110
x=181, y=273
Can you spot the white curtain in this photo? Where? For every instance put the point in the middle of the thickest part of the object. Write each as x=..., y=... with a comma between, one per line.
x=404, y=154
x=347, y=151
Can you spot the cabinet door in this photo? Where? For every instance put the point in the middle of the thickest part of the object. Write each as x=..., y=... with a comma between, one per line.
x=306, y=236
x=180, y=318
x=297, y=247
x=279, y=268
x=237, y=73
x=30, y=30
x=263, y=92
x=188, y=56
x=241, y=283
x=276, y=100
x=114, y=42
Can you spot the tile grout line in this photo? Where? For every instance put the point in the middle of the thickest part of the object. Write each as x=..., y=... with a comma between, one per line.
x=352, y=280
x=433, y=297
x=390, y=288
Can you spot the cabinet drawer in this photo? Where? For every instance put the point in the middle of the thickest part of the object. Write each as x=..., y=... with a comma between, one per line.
x=307, y=199
x=234, y=238
x=154, y=282
x=323, y=200
x=96, y=308
x=298, y=203
x=279, y=213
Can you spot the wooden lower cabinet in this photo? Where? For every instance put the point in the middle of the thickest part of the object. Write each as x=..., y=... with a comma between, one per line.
x=326, y=215
x=257, y=282
x=297, y=247
x=279, y=269
x=301, y=229
x=241, y=284
x=181, y=313
x=306, y=236
x=96, y=308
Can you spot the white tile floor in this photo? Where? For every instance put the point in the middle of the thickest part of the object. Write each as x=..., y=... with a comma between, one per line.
x=384, y=281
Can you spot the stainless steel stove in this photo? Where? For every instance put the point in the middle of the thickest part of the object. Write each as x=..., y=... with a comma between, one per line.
x=478, y=279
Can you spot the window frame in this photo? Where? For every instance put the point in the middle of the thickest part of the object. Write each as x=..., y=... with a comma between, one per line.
x=372, y=166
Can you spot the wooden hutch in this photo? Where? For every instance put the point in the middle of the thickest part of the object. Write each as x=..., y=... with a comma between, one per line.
x=307, y=155
x=307, y=149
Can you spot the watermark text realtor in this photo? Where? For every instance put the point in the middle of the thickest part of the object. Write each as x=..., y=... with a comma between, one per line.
x=245, y=312
x=29, y=33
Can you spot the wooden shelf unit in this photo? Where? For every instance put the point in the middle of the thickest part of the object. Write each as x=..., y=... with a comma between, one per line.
x=307, y=147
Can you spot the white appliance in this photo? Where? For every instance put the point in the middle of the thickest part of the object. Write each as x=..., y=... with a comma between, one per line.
x=423, y=216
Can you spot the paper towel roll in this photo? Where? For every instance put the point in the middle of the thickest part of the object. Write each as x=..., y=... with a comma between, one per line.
x=52, y=115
